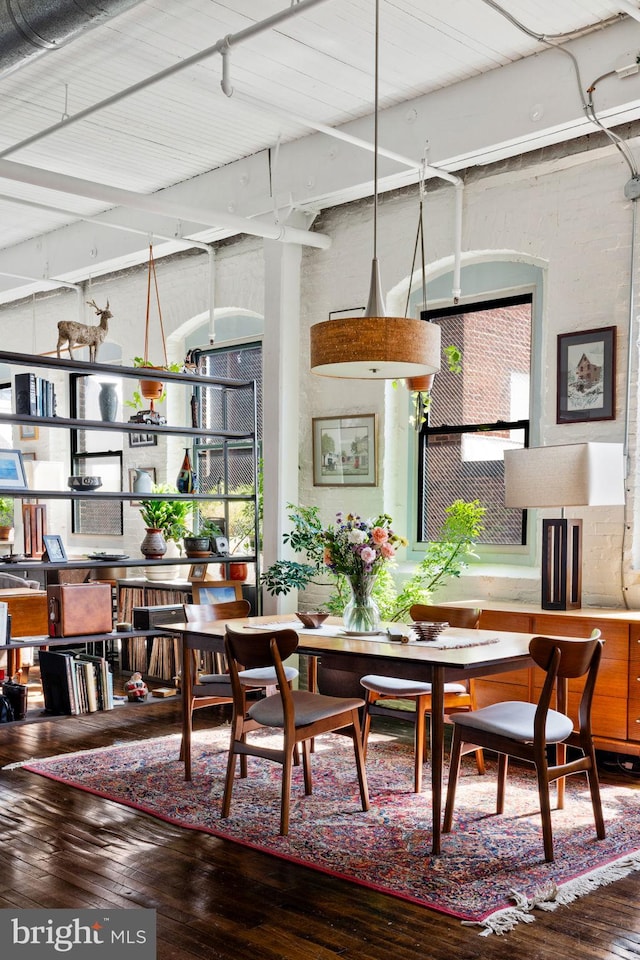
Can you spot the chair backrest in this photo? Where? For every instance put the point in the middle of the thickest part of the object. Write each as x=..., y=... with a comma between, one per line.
x=464, y=617
x=225, y=610
x=566, y=660
x=252, y=649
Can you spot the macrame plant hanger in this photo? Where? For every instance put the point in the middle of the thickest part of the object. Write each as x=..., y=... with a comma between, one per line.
x=152, y=389
x=419, y=385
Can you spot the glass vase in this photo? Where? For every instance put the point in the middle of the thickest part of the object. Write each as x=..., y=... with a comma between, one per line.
x=361, y=614
x=185, y=482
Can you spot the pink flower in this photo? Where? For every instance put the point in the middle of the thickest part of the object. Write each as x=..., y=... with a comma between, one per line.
x=328, y=559
x=387, y=551
x=368, y=555
x=379, y=535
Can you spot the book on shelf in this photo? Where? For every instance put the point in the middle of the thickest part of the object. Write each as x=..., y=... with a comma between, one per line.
x=5, y=623
x=75, y=683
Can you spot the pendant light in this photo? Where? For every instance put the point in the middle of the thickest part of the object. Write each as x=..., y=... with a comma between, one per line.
x=375, y=347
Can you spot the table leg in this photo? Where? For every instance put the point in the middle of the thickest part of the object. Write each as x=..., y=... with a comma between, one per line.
x=437, y=753
x=187, y=686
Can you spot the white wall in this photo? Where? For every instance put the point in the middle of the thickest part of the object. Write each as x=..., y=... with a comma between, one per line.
x=569, y=213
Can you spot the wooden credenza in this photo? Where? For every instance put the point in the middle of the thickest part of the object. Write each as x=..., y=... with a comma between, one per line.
x=616, y=709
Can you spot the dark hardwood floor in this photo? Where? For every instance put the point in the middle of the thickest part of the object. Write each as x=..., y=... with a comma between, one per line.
x=60, y=847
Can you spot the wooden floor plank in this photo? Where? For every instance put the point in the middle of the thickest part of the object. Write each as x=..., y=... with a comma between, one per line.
x=61, y=847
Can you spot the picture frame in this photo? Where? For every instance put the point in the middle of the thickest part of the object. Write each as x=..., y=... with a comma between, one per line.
x=143, y=439
x=216, y=591
x=345, y=451
x=198, y=571
x=54, y=550
x=586, y=375
x=132, y=476
x=29, y=432
x=12, y=473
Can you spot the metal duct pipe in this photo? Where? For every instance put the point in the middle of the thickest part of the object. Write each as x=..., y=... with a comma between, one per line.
x=28, y=28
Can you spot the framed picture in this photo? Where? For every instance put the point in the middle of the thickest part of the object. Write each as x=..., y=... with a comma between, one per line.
x=132, y=476
x=344, y=451
x=143, y=439
x=587, y=375
x=216, y=591
x=54, y=549
x=29, y=432
x=198, y=571
x=12, y=473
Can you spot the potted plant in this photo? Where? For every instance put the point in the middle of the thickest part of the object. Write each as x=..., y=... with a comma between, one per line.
x=165, y=520
x=198, y=544
x=6, y=517
x=151, y=390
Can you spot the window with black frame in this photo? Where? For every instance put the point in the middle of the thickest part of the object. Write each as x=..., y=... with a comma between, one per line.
x=474, y=415
x=95, y=453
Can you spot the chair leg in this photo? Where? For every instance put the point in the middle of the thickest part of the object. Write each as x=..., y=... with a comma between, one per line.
x=545, y=811
x=306, y=765
x=228, y=783
x=366, y=721
x=285, y=796
x=360, y=761
x=454, y=773
x=420, y=745
x=503, y=769
x=594, y=789
x=480, y=767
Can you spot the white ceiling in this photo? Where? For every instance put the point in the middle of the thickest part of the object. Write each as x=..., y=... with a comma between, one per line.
x=456, y=75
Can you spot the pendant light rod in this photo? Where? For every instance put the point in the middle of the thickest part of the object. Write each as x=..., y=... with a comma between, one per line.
x=376, y=81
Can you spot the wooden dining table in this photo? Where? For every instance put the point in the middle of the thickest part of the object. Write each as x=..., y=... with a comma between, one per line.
x=457, y=655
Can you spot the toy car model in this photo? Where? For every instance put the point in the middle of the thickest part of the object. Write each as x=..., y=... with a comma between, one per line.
x=147, y=416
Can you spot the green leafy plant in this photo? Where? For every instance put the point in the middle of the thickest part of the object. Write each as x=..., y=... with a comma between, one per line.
x=422, y=398
x=444, y=558
x=168, y=516
x=6, y=511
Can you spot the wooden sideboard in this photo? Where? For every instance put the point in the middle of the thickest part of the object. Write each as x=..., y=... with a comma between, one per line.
x=616, y=708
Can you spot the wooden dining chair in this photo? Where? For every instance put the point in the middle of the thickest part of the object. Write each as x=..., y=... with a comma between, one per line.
x=208, y=689
x=410, y=700
x=524, y=730
x=300, y=714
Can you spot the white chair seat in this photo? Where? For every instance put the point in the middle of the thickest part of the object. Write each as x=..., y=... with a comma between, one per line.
x=513, y=719
x=394, y=687
x=259, y=677
x=309, y=708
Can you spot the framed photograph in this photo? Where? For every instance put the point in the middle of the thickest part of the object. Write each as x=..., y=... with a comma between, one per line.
x=54, y=549
x=587, y=375
x=215, y=591
x=132, y=476
x=29, y=432
x=198, y=571
x=143, y=439
x=345, y=451
x=12, y=473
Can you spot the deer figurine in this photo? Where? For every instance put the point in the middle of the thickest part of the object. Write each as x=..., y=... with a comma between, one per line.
x=84, y=334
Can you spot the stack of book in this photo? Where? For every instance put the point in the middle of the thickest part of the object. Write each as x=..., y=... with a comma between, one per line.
x=75, y=682
x=35, y=396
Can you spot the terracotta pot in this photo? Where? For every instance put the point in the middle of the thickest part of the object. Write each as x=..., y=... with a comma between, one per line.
x=153, y=546
x=5, y=533
x=238, y=571
x=422, y=384
x=152, y=389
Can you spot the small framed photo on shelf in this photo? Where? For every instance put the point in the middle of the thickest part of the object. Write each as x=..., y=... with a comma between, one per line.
x=586, y=375
x=198, y=571
x=12, y=473
x=54, y=550
x=29, y=432
x=216, y=591
x=344, y=451
x=143, y=439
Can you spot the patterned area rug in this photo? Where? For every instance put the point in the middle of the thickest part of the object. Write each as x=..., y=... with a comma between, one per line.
x=491, y=871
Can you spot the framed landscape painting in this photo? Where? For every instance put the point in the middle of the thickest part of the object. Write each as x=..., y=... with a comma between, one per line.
x=344, y=451
x=586, y=375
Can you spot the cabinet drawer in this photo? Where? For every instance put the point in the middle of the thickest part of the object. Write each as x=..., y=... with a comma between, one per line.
x=634, y=680
x=634, y=719
x=634, y=642
x=612, y=681
x=487, y=692
x=615, y=635
x=608, y=716
x=499, y=620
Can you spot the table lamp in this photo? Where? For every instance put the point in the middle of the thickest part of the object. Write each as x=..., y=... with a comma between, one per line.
x=571, y=475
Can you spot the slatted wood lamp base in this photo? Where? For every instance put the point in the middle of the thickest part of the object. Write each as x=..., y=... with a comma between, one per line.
x=561, y=564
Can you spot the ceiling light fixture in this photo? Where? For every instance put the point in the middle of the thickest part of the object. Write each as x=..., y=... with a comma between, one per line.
x=375, y=347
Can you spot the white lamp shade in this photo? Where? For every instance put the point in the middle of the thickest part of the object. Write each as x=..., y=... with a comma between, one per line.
x=571, y=475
